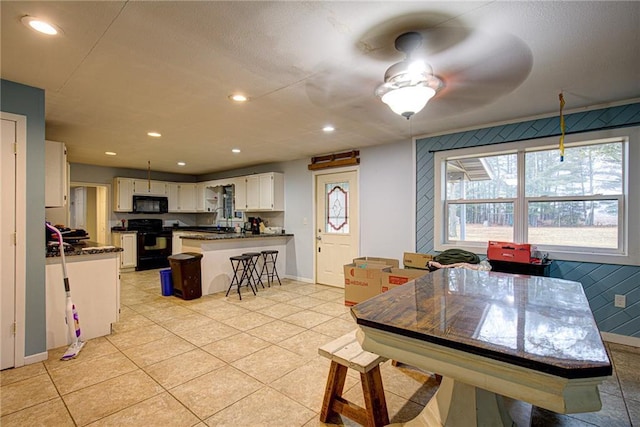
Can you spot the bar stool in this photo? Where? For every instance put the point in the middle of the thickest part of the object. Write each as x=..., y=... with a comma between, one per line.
x=253, y=268
x=240, y=265
x=269, y=258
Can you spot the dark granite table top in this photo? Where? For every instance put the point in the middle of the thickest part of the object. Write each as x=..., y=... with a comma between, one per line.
x=539, y=323
x=229, y=236
x=83, y=247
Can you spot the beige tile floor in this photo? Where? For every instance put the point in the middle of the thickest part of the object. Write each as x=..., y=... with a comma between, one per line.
x=219, y=361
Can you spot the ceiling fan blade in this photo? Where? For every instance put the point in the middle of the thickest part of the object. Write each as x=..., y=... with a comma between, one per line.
x=480, y=70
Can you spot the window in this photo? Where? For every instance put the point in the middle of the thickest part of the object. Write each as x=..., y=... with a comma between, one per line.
x=521, y=192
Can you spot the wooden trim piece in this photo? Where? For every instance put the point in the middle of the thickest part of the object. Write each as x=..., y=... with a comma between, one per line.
x=347, y=158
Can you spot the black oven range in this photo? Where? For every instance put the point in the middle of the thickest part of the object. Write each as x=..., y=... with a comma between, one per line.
x=153, y=243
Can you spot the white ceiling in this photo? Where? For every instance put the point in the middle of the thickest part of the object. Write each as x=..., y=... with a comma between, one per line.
x=122, y=69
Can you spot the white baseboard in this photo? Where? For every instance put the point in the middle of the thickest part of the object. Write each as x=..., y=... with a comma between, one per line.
x=35, y=358
x=299, y=279
x=621, y=339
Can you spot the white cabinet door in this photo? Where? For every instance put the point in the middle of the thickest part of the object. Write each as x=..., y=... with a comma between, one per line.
x=253, y=192
x=187, y=197
x=172, y=193
x=240, y=193
x=265, y=182
x=123, y=194
x=147, y=187
x=200, y=197
x=129, y=255
x=55, y=174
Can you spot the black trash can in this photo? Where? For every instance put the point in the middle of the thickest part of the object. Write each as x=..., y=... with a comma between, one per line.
x=186, y=274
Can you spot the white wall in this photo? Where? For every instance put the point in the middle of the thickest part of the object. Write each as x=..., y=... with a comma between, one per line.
x=387, y=206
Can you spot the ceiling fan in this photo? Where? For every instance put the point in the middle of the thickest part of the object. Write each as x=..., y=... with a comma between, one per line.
x=474, y=67
x=408, y=84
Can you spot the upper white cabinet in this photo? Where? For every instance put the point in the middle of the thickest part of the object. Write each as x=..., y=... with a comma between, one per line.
x=262, y=192
x=123, y=194
x=182, y=197
x=149, y=187
x=56, y=184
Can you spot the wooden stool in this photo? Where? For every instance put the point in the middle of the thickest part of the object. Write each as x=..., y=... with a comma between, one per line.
x=345, y=352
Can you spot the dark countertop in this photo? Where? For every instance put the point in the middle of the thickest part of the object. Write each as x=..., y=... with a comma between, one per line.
x=229, y=236
x=539, y=323
x=85, y=247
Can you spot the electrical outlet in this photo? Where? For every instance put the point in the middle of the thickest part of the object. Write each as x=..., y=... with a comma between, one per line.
x=620, y=301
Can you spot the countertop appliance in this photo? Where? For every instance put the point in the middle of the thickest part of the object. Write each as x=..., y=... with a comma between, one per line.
x=150, y=205
x=153, y=243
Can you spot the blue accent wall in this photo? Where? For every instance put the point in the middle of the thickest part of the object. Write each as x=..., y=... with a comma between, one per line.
x=29, y=101
x=600, y=281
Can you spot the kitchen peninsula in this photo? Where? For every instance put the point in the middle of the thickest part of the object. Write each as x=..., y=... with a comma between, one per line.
x=216, y=248
x=94, y=279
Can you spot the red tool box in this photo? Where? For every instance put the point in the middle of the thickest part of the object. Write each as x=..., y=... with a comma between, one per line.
x=506, y=251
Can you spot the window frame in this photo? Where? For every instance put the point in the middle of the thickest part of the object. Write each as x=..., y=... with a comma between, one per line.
x=627, y=253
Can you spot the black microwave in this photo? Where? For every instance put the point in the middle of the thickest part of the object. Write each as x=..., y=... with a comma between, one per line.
x=150, y=204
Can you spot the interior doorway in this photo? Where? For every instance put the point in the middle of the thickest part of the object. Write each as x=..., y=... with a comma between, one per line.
x=337, y=230
x=89, y=210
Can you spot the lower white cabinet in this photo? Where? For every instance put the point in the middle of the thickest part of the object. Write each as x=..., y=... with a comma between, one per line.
x=95, y=289
x=129, y=255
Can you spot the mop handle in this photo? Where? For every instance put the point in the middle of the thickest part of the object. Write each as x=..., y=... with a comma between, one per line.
x=61, y=247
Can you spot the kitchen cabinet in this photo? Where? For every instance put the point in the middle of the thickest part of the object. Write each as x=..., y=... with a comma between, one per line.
x=149, y=187
x=240, y=193
x=56, y=183
x=95, y=286
x=123, y=194
x=264, y=192
x=129, y=254
x=182, y=197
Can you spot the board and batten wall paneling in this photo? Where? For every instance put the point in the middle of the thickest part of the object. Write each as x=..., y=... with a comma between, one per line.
x=600, y=281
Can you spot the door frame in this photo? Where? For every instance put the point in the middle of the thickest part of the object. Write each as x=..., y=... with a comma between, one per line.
x=107, y=206
x=314, y=224
x=21, y=232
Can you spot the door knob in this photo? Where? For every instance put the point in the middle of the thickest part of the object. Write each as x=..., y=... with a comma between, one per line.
x=319, y=238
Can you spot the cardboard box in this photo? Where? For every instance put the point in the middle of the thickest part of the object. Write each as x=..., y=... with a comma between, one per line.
x=413, y=260
x=362, y=281
x=387, y=261
x=507, y=251
x=395, y=277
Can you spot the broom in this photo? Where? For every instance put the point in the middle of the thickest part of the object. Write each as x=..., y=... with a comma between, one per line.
x=72, y=319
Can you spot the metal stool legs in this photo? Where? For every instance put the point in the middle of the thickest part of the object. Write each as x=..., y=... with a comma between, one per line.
x=269, y=266
x=253, y=268
x=241, y=273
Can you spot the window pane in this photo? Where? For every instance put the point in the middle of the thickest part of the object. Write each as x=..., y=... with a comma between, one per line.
x=592, y=224
x=482, y=177
x=337, y=214
x=586, y=171
x=480, y=222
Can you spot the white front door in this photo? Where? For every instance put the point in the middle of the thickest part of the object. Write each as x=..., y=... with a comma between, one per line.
x=7, y=245
x=337, y=229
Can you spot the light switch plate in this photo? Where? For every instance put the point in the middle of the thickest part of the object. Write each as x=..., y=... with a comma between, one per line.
x=620, y=301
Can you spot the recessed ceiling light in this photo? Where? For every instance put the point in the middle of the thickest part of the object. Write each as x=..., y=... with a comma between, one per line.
x=328, y=128
x=40, y=26
x=181, y=163
x=238, y=97
x=109, y=153
x=235, y=150
x=154, y=134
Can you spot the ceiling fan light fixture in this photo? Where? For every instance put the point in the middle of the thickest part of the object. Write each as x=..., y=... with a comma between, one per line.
x=409, y=100
x=408, y=84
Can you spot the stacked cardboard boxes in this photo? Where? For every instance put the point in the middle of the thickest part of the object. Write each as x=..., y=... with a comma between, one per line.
x=367, y=277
